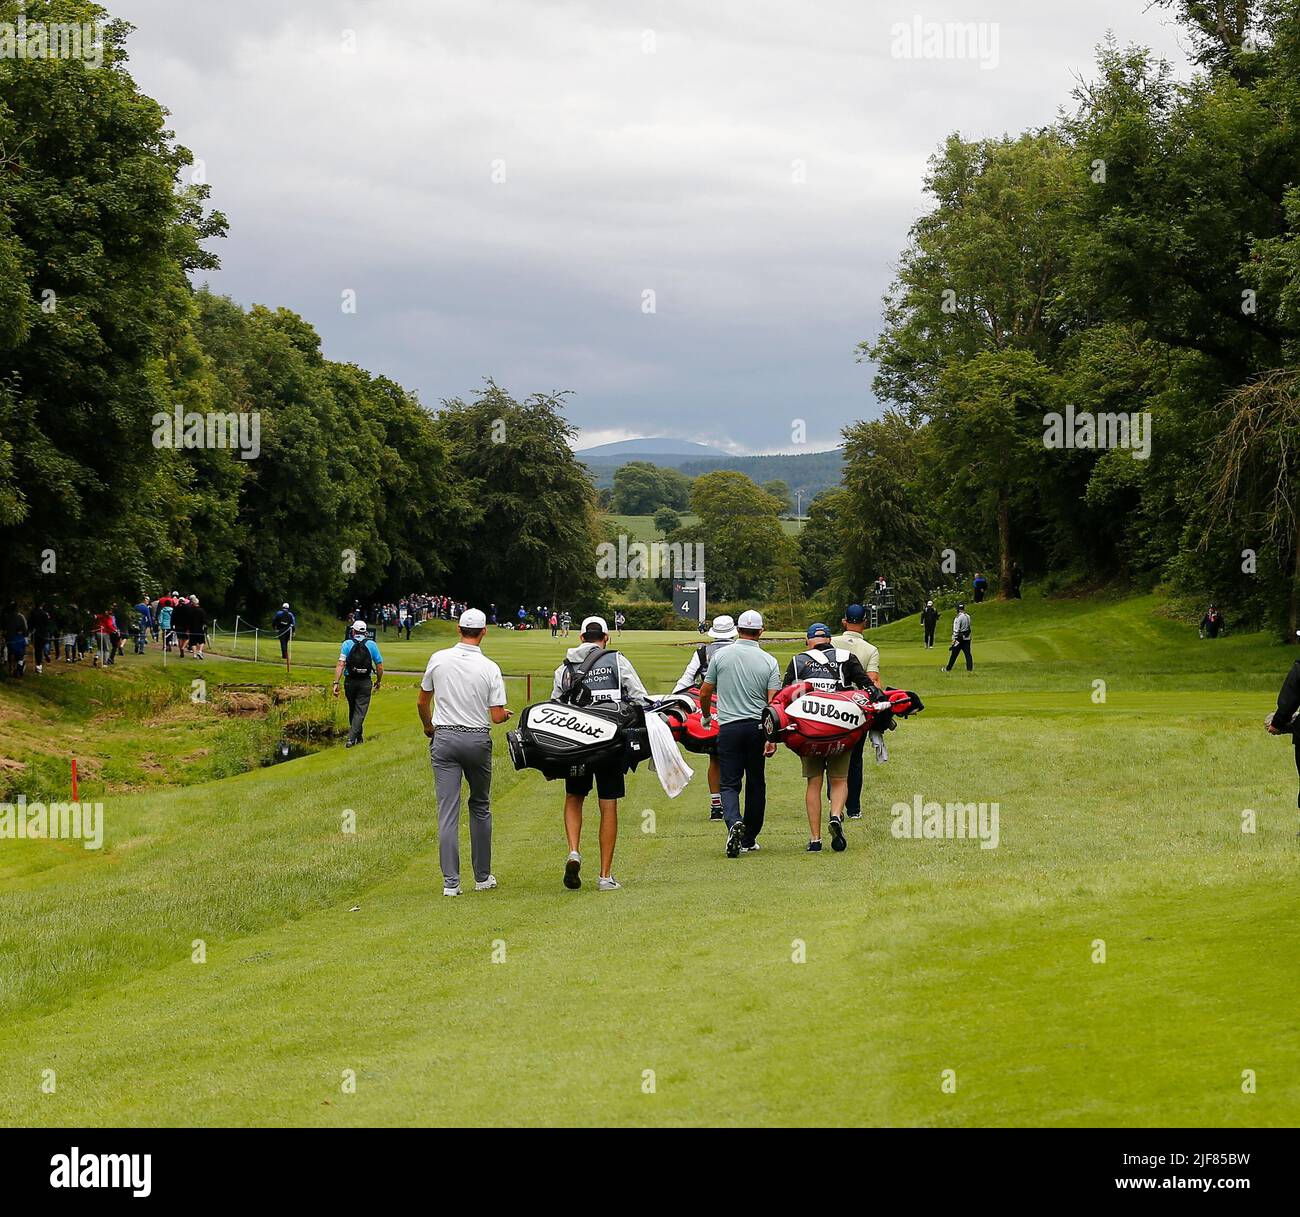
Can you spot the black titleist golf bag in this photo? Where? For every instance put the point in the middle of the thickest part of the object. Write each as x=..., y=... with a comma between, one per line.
x=567, y=738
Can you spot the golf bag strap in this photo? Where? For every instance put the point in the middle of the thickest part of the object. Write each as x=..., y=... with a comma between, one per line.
x=578, y=675
x=818, y=657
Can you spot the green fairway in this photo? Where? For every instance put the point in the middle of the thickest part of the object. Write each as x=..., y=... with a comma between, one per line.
x=642, y=528
x=678, y=999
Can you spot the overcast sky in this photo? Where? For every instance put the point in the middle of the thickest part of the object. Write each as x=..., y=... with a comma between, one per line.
x=754, y=164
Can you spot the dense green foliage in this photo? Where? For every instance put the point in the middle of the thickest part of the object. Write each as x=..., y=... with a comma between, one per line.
x=96, y=239
x=641, y=489
x=341, y=484
x=1136, y=258
x=747, y=553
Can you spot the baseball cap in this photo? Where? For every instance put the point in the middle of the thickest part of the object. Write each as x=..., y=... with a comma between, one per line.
x=818, y=630
x=285, y=604
x=750, y=620
x=473, y=619
x=960, y=605
x=588, y=621
x=855, y=614
x=723, y=627
x=360, y=627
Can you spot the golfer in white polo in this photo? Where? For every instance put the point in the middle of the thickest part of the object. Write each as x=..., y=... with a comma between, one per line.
x=467, y=694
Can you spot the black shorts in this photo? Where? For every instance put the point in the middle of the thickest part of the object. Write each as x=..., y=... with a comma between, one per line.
x=609, y=783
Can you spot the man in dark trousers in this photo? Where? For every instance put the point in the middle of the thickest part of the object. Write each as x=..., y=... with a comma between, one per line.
x=1283, y=720
x=39, y=623
x=929, y=619
x=284, y=623
x=960, y=640
x=1212, y=622
x=745, y=677
x=362, y=660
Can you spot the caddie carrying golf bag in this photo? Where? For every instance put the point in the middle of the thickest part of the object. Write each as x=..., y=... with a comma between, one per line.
x=689, y=732
x=812, y=722
x=576, y=735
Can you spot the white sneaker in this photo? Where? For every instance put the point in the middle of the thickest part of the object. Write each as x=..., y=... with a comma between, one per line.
x=487, y=885
x=750, y=849
x=609, y=884
x=451, y=891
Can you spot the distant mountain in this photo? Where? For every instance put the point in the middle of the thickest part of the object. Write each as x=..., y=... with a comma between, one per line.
x=640, y=449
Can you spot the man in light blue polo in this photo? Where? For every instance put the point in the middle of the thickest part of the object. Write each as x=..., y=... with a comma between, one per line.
x=745, y=677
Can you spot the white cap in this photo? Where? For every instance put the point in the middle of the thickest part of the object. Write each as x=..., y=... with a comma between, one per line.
x=723, y=627
x=600, y=621
x=750, y=620
x=360, y=627
x=285, y=604
x=473, y=619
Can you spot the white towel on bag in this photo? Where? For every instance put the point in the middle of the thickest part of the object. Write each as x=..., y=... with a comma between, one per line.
x=674, y=773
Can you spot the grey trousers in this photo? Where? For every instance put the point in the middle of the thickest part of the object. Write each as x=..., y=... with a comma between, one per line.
x=468, y=755
x=357, y=691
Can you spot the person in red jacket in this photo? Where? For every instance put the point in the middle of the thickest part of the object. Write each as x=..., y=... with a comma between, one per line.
x=106, y=637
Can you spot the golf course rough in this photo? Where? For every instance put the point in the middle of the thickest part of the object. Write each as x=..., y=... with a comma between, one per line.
x=1124, y=955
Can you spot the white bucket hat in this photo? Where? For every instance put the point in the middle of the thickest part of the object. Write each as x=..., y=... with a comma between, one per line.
x=723, y=627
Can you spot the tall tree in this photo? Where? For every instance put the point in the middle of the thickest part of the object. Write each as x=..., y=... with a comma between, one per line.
x=97, y=234
x=1258, y=454
x=988, y=436
x=979, y=272
x=746, y=551
x=884, y=522
x=532, y=532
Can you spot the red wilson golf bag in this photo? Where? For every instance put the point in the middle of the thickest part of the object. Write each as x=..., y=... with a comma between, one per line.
x=813, y=723
x=689, y=732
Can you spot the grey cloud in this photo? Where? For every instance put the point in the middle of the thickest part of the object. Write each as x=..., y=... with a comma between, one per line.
x=624, y=170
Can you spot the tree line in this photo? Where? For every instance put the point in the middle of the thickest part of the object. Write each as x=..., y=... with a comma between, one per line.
x=1088, y=354
x=1088, y=360
x=351, y=488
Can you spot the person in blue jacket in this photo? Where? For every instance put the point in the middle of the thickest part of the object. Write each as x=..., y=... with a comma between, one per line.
x=360, y=659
